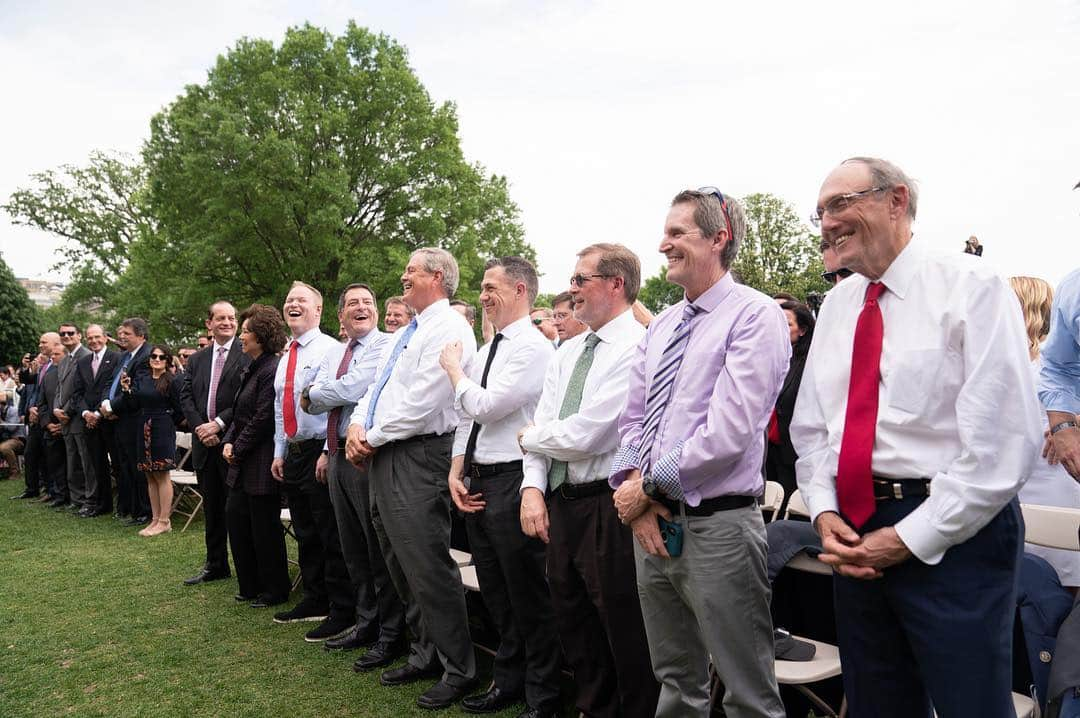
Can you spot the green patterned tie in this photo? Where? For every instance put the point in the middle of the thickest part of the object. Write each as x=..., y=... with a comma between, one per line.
x=572, y=402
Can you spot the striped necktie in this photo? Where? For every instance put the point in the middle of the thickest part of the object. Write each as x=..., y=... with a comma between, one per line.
x=662, y=383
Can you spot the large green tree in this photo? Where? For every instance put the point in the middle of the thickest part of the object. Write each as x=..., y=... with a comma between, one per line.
x=19, y=326
x=658, y=293
x=323, y=159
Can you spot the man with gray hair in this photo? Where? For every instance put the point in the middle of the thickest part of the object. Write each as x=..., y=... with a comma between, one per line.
x=907, y=467
x=403, y=428
x=693, y=440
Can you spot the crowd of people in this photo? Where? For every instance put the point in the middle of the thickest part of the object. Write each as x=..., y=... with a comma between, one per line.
x=608, y=490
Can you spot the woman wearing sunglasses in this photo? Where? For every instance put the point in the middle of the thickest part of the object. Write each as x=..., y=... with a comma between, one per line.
x=159, y=401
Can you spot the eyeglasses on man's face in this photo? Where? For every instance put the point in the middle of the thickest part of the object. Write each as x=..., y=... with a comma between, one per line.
x=834, y=277
x=840, y=202
x=580, y=280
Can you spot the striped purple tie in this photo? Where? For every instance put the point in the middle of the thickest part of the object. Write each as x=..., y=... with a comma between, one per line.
x=662, y=383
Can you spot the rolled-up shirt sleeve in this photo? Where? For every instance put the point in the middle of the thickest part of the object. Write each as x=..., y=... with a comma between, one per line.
x=1059, y=378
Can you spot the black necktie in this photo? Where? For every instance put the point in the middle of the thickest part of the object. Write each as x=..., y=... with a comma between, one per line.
x=470, y=447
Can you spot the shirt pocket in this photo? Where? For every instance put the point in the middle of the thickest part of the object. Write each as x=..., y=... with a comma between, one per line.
x=915, y=379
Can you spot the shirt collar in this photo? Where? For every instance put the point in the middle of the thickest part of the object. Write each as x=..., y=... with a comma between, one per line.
x=516, y=327
x=899, y=275
x=432, y=309
x=226, y=346
x=710, y=299
x=306, y=338
x=617, y=327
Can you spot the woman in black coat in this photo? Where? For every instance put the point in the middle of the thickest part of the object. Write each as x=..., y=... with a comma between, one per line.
x=253, y=507
x=780, y=460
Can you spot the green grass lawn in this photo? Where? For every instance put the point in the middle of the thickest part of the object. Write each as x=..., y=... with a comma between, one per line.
x=94, y=621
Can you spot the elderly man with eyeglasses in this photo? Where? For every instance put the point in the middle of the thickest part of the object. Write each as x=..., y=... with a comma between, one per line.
x=911, y=453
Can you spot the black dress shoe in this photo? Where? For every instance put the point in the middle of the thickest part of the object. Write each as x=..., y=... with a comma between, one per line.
x=408, y=674
x=205, y=575
x=381, y=654
x=58, y=503
x=137, y=521
x=89, y=513
x=241, y=598
x=494, y=700
x=357, y=637
x=441, y=695
x=538, y=713
x=264, y=601
x=24, y=495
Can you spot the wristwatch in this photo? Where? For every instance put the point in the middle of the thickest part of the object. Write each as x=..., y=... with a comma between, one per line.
x=650, y=488
x=304, y=393
x=1063, y=425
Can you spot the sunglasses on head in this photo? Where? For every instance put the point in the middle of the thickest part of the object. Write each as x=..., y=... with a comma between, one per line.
x=831, y=277
x=723, y=206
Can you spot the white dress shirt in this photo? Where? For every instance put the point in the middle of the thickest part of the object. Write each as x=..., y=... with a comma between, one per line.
x=956, y=402
x=515, y=381
x=588, y=439
x=313, y=346
x=328, y=392
x=418, y=398
x=99, y=355
x=227, y=346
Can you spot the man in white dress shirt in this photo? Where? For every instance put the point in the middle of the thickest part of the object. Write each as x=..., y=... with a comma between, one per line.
x=496, y=399
x=911, y=454
x=565, y=496
x=403, y=426
x=298, y=442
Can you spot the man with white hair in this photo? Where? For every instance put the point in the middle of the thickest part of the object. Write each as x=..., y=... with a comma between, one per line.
x=404, y=428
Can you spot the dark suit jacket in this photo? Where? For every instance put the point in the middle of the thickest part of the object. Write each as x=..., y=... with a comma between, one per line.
x=66, y=374
x=46, y=400
x=89, y=391
x=251, y=431
x=124, y=404
x=196, y=388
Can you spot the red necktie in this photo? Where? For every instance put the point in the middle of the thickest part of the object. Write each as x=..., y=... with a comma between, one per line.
x=288, y=401
x=854, y=478
x=332, y=444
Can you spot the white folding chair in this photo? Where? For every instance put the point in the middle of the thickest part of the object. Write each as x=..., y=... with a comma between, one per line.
x=1024, y=706
x=796, y=506
x=286, y=524
x=185, y=482
x=774, y=498
x=1051, y=526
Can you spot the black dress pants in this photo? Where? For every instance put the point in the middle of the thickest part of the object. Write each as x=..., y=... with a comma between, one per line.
x=211, y=478
x=258, y=544
x=326, y=579
x=34, y=460
x=593, y=580
x=55, y=466
x=99, y=496
x=510, y=570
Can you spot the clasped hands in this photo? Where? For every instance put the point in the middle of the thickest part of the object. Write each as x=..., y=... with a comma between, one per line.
x=208, y=434
x=639, y=512
x=857, y=556
x=357, y=449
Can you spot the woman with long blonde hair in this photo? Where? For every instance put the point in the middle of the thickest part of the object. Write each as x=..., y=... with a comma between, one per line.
x=1048, y=484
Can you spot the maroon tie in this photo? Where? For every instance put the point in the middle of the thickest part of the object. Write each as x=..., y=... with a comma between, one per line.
x=335, y=413
x=854, y=478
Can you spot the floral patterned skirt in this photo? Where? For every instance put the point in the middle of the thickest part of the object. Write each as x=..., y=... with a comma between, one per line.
x=157, y=443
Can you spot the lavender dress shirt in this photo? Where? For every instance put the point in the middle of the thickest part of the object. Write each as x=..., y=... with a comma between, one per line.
x=711, y=439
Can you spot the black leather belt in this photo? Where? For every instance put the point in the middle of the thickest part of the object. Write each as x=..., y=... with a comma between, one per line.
x=296, y=447
x=482, y=471
x=580, y=491
x=708, y=507
x=899, y=489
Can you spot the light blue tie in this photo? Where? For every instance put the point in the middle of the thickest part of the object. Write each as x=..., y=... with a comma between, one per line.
x=387, y=371
x=662, y=383
x=116, y=379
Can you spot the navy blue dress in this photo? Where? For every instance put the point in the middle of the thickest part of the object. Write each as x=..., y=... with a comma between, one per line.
x=157, y=440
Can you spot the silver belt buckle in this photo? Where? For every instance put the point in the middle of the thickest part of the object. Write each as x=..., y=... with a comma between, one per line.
x=897, y=490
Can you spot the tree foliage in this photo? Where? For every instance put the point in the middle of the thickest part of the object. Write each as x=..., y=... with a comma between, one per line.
x=322, y=159
x=19, y=328
x=779, y=253
x=658, y=293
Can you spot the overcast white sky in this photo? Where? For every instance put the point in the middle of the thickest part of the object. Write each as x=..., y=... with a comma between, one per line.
x=599, y=112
